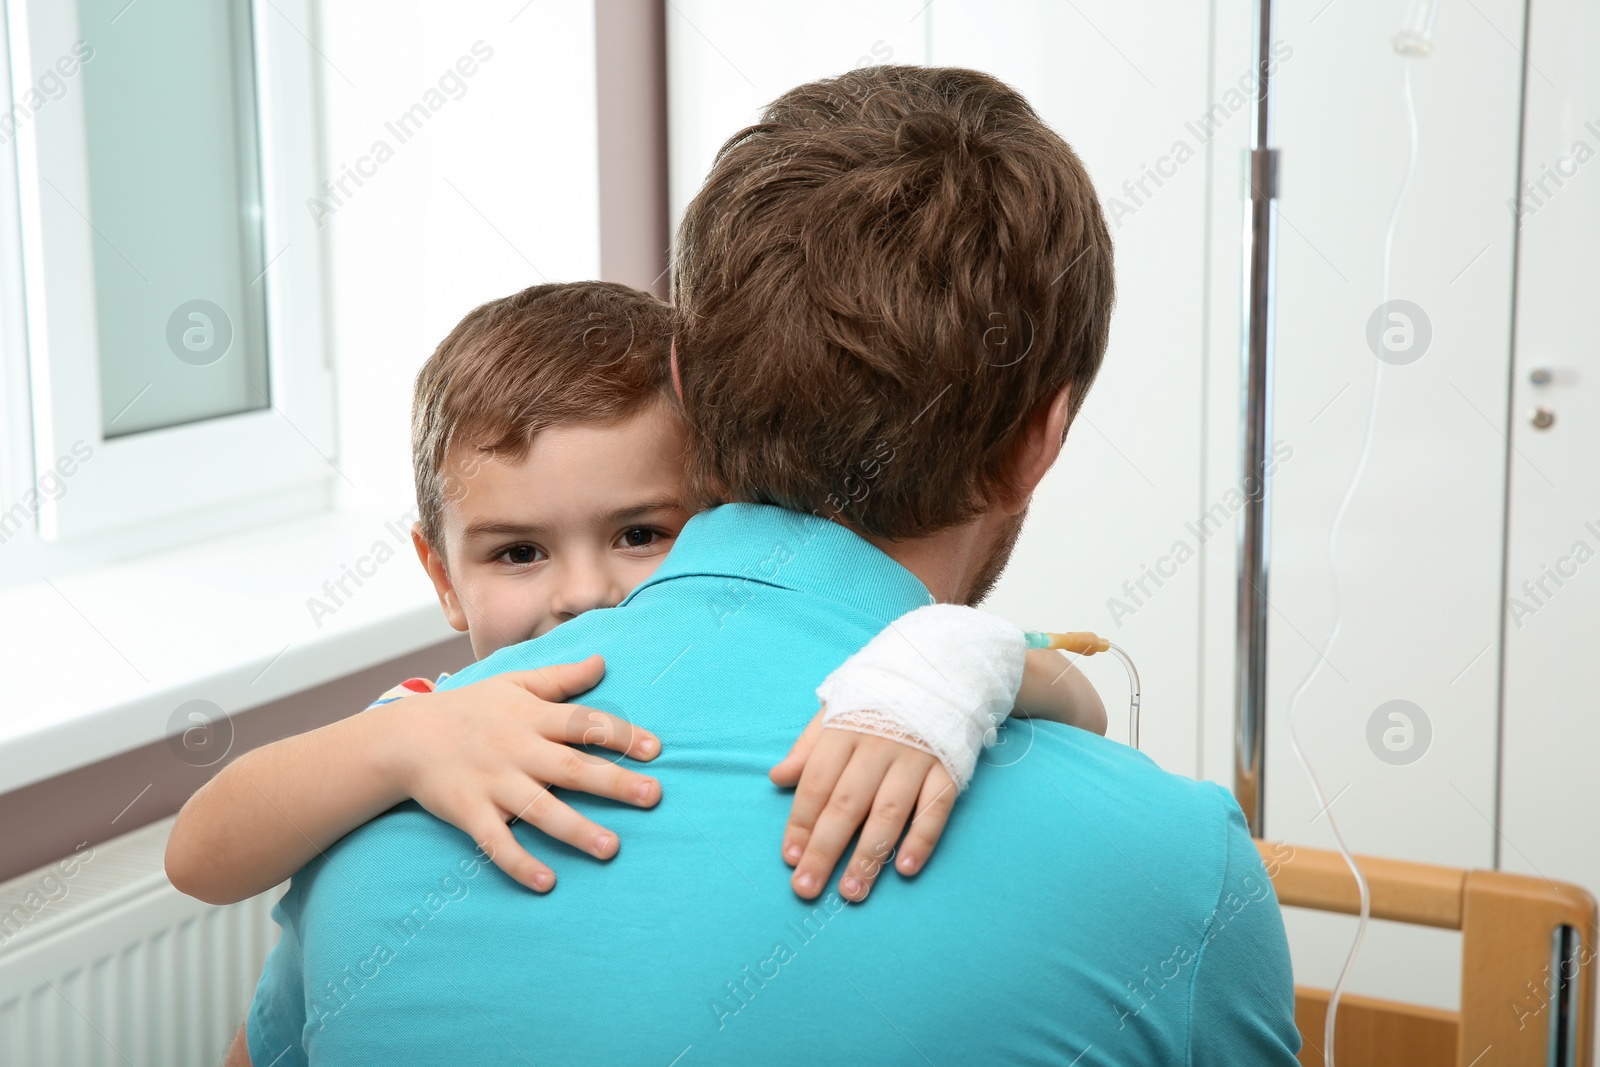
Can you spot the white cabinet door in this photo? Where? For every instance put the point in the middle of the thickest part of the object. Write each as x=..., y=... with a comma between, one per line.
x=1550, y=735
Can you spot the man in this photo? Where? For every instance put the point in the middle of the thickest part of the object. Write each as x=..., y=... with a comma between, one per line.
x=894, y=291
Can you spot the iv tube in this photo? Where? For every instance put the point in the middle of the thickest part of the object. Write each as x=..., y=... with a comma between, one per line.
x=1406, y=43
x=1084, y=643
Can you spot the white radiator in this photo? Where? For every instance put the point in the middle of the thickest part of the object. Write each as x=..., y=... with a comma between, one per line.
x=103, y=962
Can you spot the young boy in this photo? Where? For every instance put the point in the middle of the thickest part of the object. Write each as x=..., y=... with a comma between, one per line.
x=548, y=461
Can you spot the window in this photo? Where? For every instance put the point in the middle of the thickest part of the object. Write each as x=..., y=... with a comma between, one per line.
x=170, y=142
x=172, y=273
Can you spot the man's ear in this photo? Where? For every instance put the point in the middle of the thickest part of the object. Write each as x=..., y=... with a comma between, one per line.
x=1037, y=452
x=433, y=563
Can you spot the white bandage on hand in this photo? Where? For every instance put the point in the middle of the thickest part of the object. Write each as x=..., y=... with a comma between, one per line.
x=941, y=678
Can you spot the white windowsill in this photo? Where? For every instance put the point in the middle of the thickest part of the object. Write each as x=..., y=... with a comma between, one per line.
x=98, y=662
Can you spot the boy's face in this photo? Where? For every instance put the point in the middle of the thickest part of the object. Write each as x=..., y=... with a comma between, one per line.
x=585, y=516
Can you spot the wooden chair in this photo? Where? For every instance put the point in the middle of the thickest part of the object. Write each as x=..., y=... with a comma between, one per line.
x=1527, y=974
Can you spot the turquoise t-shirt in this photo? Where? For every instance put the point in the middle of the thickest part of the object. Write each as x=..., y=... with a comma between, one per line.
x=1084, y=907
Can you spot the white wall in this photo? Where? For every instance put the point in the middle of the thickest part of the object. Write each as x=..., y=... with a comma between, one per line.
x=726, y=59
x=498, y=191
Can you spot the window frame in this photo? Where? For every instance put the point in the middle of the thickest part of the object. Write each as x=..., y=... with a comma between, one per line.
x=224, y=465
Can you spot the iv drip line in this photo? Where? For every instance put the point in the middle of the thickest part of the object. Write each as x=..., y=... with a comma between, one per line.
x=1410, y=43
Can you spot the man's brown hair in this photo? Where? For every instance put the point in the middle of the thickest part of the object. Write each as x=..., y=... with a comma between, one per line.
x=558, y=354
x=877, y=286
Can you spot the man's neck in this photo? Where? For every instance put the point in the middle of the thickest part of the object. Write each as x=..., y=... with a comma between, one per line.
x=947, y=562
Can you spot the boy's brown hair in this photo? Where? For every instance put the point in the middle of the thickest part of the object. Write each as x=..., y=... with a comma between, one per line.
x=877, y=286
x=557, y=354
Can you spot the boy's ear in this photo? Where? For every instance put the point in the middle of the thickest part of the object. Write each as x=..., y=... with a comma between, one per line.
x=1037, y=452
x=433, y=563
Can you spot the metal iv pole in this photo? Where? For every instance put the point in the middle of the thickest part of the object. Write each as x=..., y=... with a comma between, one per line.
x=1260, y=240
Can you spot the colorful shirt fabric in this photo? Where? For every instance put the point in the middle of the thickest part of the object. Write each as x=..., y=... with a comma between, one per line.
x=407, y=688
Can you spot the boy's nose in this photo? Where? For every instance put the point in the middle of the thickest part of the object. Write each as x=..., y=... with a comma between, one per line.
x=584, y=587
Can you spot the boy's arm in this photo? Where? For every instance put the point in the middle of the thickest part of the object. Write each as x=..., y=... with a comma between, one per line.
x=239, y=1051
x=474, y=756
x=270, y=811
x=1054, y=688
x=921, y=695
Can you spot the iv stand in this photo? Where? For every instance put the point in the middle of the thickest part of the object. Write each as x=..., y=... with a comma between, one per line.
x=1260, y=240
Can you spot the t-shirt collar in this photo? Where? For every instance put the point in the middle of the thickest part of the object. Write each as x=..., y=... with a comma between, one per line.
x=791, y=550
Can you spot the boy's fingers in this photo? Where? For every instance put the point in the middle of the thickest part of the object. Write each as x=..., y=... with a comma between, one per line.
x=534, y=804
x=826, y=763
x=843, y=814
x=559, y=681
x=937, y=800
x=496, y=840
x=896, y=800
x=789, y=769
x=590, y=726
x=569, y=768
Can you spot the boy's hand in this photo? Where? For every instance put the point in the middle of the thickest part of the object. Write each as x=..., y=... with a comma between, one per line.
x=844, y=778
x=487, y=753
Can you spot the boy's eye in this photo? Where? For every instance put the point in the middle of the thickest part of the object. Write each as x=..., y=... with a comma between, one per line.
x=641, y=537
x=519, y=555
